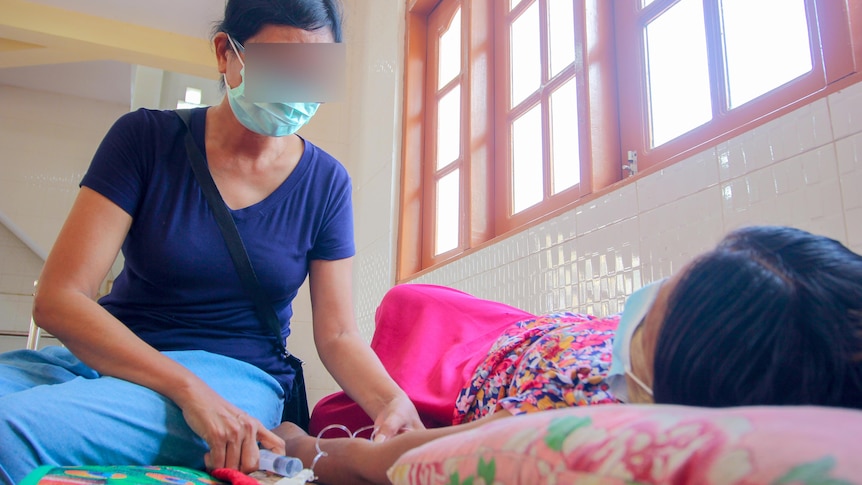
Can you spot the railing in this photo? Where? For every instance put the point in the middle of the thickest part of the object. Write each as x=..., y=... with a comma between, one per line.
x=33, y=336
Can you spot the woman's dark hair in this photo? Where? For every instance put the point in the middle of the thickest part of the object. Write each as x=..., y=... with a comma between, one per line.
x=244, y=18
x=772, y=316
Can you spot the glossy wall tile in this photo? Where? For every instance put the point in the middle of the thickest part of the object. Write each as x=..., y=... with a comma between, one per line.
x=803, y=169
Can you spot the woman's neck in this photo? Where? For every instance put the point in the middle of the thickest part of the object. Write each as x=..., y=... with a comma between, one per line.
x=226, y=135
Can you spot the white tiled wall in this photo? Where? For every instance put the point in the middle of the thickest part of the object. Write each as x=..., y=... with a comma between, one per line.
x=803, y=169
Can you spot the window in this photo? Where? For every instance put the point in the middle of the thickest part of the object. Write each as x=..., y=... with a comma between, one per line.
x=192, y=99
x=446, y=173
x=696, y=70
x=537, y=126
x=517, y=109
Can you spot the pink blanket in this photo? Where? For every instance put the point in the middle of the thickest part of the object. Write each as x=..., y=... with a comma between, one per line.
x=430, y=339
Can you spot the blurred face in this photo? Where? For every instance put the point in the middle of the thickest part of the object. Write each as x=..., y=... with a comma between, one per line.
x=273, y=79
x=230, y=65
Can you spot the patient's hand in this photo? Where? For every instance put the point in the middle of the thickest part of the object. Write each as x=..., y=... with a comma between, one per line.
x=288, y=430
x=294, y=437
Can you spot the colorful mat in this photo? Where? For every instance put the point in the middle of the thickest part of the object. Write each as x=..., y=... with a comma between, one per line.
x=127, y=475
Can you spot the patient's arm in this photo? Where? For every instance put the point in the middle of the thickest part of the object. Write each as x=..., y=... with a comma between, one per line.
x=359, y=460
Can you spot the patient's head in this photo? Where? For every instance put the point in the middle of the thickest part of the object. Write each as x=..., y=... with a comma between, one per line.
x=773, y=315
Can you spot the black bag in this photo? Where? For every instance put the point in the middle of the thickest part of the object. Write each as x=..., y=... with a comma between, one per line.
x=296, y=403
x=295, y=398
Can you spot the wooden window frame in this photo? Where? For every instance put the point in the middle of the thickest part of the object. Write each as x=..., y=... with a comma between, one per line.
x=482, y=221
x=612, y=117
x=834, y=64
x=416, y=227
x=506, y=221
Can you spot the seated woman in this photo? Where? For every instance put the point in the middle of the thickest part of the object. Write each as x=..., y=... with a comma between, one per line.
x=771, y=316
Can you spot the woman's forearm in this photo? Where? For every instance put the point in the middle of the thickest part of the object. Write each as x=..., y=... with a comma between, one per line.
x=105, y=344
x=359, y=372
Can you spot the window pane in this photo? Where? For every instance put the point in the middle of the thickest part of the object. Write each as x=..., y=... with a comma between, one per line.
x=678, y=71
x=565, y=150
x=450, y=51
x=526, y=65
x=527, y=177
x=766, y=44
x=645, y=3
x=448, y=206
x=449, y=128
x=513, y=4
x=562, y=34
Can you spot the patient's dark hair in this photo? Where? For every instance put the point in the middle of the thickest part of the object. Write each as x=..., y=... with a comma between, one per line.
x=244, y=18
x=773, y=315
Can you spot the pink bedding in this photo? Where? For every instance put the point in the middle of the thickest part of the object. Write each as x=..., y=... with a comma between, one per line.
x=430, y=339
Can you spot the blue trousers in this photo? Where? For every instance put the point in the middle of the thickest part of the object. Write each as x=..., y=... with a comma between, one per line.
x=55, y=410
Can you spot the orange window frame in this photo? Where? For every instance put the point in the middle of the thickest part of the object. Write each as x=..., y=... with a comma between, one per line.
x=612, y=110
x=418, y=179
x=834, y=34
x=505, y=220
x=485, y=161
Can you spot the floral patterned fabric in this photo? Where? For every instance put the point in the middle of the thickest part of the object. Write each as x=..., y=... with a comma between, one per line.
x=648, y=444
x=549, y=362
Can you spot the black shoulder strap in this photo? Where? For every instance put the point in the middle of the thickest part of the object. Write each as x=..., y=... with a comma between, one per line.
x=239, y=255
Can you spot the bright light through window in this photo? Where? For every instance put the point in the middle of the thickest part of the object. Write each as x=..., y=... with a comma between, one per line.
x=526, y=66
x=448, y=206
x=193, y=96
x=449, y=128
x=450, y=52
x=766, y=45
x=448, y=137
x=192, y=99
x=527, y=160
x=678, y=71
x=565, y=149
x=561, y=17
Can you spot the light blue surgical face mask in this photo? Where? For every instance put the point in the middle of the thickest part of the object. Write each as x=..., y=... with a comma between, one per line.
x=269, y=119
x=637, y=307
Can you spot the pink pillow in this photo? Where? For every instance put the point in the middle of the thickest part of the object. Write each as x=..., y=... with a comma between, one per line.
x=651, y=444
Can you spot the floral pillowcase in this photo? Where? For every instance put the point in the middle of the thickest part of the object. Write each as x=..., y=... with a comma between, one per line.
x=657, y=444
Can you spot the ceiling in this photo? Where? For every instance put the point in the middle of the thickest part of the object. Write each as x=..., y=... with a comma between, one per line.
x=88, y=47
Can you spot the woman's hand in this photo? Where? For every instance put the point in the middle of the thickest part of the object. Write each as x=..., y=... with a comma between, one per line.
x=232, y=435
x=397, y=416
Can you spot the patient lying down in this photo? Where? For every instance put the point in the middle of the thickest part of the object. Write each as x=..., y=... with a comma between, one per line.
x=771, y=316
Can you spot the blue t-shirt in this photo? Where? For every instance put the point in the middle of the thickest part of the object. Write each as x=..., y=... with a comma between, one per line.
x=179, y=288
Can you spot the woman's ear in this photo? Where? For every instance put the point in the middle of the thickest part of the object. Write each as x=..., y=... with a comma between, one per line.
x=222, y=48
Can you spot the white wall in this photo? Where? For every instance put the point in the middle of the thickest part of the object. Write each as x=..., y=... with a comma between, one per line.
x=46, y=143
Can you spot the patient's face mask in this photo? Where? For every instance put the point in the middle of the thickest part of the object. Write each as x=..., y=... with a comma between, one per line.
x=636, y=309
x=269, y=119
